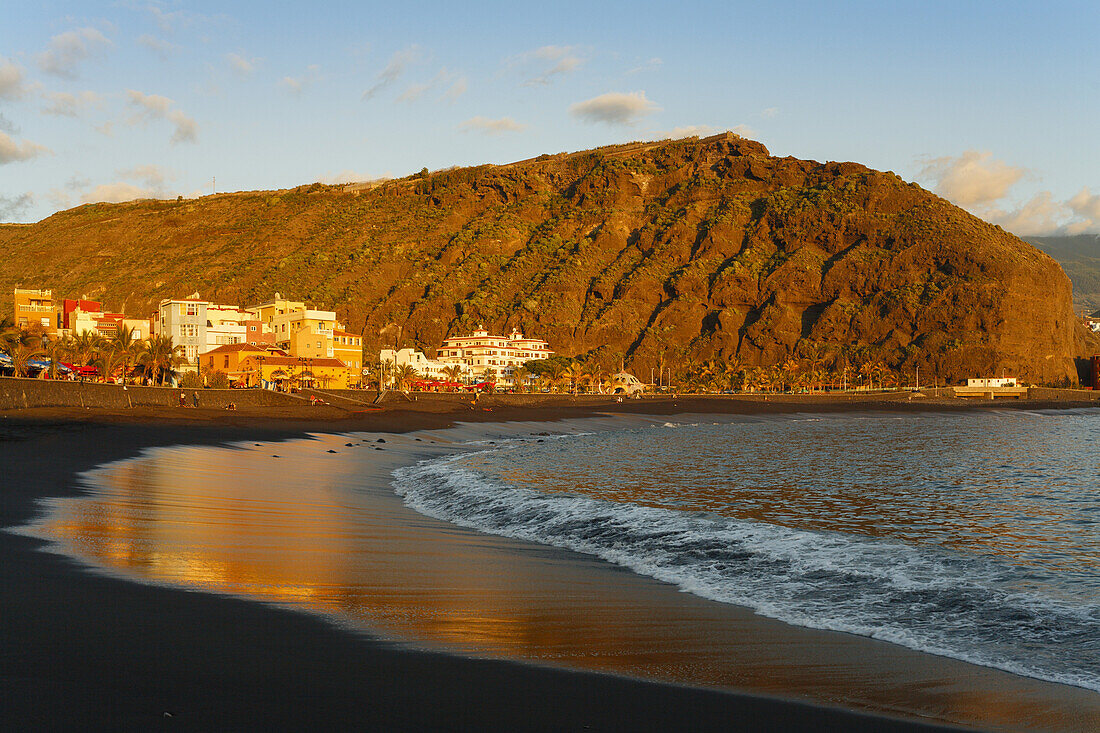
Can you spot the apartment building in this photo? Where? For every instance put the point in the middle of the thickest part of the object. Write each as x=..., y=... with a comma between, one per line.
x=348, y=348
x=184, y=320
x=35, y=307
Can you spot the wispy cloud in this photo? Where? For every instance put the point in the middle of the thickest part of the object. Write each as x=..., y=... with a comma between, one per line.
x=491, y=126
x=13, y=152
x=678, y=133
x=116, y=192
x=395, y=69
x=614, y=108
x=66, y=51
x=298, y=84
x=240, y=64
x=69, y=105
x=542, y=65
x=12, y=206
x=159, y=46
x=769, y=112
x=651, y=65
x=156, y=106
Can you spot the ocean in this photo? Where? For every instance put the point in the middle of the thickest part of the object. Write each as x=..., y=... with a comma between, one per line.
x=972, y=536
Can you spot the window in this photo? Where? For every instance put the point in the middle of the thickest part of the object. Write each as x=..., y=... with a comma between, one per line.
x=182, y=309
x=192, y=309
x=226, y=361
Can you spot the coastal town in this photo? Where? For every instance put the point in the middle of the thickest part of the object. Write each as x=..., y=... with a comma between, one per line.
x=285, y=346
x=279, y=344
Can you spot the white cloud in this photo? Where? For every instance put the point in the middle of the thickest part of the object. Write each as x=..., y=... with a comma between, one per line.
x=240, y=64
x=973, y=179
x=59, y=199
x=157, y=106
x=159, y=46
x=68, y=50
x=1040, y=215
x=744, y=131
x=7, y=125
x=547, y=62
x=398, y=64
x=614, y=108
x=1085, y=204
x=69, y=105
x=12, y=152
x=115, y=193
x=298, y=84
x=12, y=206
x=455, y=87
x=11, y=80
x=414, y=92
x=769, y=112
x=492, y=127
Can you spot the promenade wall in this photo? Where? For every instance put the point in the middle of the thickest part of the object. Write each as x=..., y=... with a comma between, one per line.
x=18, y=393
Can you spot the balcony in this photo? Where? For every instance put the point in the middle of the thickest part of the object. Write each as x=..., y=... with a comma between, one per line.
x=48, y=294
x=31, y=308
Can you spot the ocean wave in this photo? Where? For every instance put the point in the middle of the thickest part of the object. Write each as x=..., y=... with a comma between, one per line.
x=923, y=598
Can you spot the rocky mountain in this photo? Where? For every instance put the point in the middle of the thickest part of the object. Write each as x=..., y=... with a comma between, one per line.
x=652, y=253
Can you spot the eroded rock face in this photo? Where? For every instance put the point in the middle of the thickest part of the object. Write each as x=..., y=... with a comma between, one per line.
x=653, y=253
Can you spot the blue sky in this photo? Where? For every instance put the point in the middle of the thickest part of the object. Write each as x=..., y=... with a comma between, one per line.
x=994, y=105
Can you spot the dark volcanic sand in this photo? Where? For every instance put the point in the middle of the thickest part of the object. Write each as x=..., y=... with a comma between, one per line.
x=81, y=651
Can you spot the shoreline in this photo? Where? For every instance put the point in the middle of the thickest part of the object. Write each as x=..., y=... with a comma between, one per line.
x=259, y=674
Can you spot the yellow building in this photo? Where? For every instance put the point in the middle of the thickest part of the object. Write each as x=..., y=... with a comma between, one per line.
x=35, y=307
x=288, y=318
x=283, y=372
x=348, y=348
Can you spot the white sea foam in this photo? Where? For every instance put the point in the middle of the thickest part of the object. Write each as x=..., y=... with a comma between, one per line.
x=921, y=598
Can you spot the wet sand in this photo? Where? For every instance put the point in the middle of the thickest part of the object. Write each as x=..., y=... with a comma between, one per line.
x=93, y=651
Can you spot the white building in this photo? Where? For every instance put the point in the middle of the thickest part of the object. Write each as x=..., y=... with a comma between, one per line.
x=992, y=382
x=184, y=320
x=481, y=351
x=425, y=367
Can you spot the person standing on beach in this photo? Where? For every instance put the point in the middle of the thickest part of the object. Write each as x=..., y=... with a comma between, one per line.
x=195, y=399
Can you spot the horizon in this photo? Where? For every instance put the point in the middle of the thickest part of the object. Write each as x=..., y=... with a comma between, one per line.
x=120, y=101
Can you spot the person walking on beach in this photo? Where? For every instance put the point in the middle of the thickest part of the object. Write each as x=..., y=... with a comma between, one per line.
x=195, y=399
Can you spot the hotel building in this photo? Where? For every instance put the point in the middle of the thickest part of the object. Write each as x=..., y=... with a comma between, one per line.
x=481, y=351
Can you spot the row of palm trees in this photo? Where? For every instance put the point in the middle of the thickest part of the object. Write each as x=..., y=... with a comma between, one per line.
x=154, y=359
x=793, y=375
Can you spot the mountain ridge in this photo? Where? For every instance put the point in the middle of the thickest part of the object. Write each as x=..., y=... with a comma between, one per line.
x=647, y=253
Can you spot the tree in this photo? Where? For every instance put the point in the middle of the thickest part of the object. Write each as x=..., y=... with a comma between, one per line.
x=454, y=373
x=519, y=379
x=125, y=349
x=217, y=379
x=403, y=377
x=160, y=358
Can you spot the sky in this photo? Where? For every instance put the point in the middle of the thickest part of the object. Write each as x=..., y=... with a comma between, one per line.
x=993, y=105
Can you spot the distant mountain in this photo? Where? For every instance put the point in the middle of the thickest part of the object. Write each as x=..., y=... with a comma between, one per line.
x=1079, y=256
x=672, y=252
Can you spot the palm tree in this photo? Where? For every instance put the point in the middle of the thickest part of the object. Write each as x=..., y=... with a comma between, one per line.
x=125, y=349
x=160, y=358
x=56, y=349
x=574, y=375
x=519, y=378
x=453, y=373
x=403, y=377
x=85, y=347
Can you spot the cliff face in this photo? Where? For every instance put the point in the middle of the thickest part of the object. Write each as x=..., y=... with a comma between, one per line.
x=673, y=252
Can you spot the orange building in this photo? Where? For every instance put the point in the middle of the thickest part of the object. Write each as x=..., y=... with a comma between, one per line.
x=33, y=307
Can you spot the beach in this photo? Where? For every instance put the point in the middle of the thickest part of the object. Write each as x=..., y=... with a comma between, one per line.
x=94, y=650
